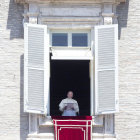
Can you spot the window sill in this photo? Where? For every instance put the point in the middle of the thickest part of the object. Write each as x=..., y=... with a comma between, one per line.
x=94, y=135
x=70, y=48
x=97, y=121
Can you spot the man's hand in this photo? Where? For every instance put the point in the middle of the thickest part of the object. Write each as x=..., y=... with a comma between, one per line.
x=65, y=107
x=72, y=108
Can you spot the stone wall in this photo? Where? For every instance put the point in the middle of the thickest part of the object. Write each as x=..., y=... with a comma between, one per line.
x=127, y=122
x=13, y=122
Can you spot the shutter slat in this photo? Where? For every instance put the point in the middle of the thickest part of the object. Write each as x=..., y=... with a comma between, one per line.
x=36, y=88
x=36, y=73
x=106, y=69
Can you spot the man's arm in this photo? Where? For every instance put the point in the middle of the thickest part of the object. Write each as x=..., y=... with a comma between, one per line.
x=62, y=106
x=76, y=107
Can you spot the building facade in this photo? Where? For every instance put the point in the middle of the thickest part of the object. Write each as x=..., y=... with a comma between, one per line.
x=71, y=18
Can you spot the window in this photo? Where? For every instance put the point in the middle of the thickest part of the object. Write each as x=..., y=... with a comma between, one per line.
x=79, y=39
x=103, y=69
x=70, y=38
x=59, y=39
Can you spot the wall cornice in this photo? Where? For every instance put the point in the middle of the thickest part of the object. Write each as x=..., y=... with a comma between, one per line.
x=69, y=1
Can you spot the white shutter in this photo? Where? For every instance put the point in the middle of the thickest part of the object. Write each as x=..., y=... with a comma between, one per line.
x=36, y=68
x=106, y=69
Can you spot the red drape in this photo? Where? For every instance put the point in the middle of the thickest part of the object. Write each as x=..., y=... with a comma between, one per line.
x=72, y=128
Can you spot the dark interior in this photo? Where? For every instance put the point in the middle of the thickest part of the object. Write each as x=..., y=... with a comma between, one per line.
x=70, y=75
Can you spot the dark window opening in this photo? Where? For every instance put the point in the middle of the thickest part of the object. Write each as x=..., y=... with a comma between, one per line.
x=70, y=75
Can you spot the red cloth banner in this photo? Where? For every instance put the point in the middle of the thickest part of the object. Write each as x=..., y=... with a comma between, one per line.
x=73, y=128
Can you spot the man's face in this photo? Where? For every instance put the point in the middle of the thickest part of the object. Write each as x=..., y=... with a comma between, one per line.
x=70, y=94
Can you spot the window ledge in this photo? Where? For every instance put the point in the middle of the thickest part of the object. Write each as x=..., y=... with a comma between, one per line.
x=70, y=1
x=97, y=121
x=51, y=135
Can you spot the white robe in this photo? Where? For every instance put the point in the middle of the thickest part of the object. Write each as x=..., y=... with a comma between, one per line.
x=68, y=100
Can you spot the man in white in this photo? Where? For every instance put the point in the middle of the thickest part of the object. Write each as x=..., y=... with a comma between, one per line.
x=69, y=106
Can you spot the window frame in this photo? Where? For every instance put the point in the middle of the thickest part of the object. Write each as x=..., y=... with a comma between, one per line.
x=69, y=32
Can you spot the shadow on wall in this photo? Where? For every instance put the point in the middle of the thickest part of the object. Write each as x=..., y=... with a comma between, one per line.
x=122, y=12
x=23, y=116
x=14, y=21
x=14, y=24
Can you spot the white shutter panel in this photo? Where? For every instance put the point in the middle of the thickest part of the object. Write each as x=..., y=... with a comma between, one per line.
x=36, y=68
x=106, y=69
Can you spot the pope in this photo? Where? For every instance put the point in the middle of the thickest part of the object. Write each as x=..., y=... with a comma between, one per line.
x=69, y=106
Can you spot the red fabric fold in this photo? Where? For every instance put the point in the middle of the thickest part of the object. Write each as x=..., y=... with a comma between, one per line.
x=72, y=128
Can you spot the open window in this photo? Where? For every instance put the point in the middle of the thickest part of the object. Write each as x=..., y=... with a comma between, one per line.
x=102, y=87
x=70, y=75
